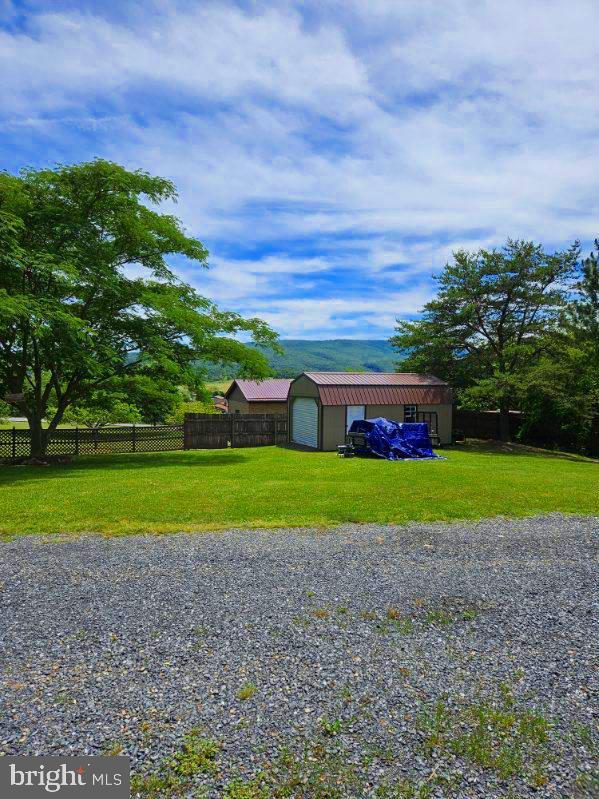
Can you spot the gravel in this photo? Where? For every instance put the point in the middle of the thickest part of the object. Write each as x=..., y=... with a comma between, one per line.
x=132, y=642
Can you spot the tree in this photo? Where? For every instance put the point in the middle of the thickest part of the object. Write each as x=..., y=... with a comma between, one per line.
x=101, y=408
x=559, y=392
x=582, y=317
x=489, y=321
x=177, y=415
x=87, y=297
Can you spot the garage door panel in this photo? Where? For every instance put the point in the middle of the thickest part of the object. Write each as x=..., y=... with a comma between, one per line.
x=304, y=424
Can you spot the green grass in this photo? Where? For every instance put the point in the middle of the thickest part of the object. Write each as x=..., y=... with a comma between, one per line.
x=269, y=487
x=218, y=385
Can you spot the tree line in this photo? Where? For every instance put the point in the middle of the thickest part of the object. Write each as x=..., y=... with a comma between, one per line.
x=516, y=328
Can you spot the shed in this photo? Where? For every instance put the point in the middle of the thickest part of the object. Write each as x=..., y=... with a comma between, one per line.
x=322, y=405
x=258, y=396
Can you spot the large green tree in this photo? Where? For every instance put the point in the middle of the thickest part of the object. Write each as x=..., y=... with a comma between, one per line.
x=87, y=299
x=559, y=392
x=489, y=320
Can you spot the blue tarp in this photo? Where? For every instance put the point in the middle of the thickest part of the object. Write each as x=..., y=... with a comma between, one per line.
x=394, y=440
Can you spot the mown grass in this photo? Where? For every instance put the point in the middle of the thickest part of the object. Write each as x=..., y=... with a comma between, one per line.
x=270, y=487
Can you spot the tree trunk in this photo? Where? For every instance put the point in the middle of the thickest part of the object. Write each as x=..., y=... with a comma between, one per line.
x=504, y=423
x=39, y=438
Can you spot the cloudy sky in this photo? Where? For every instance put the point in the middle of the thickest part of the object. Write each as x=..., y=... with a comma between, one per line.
x=330, y=153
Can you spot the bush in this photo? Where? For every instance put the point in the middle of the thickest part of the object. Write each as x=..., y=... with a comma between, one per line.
x=198, y=406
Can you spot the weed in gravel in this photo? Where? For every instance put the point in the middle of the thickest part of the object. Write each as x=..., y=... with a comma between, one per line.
x=112, y=748
x=321, y=613
x=246, y=691
x=64, y=698
x=156, y=786
x=441, y=617
x=342, y=610
x=317, y=772
x=495, y=735
x=368, y=615
x=393, y=614
x=404, y=789
x=239, y=789
x=586, y=784
x=331, y=728
x=346, y=694
x=197, y=755
x=301, y=621
x=404, y=626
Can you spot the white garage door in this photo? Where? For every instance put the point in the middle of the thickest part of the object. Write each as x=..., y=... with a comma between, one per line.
x=304, y=423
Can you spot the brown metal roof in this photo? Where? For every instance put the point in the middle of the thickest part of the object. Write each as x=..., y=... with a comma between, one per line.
x=384, y=395
x=380, y=388
x=374, y=379
x=273, y=390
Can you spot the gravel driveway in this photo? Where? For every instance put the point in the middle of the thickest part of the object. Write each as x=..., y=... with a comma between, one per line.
x=428, y=660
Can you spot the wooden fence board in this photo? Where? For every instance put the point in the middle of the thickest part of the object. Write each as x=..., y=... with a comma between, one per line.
x=216, y=431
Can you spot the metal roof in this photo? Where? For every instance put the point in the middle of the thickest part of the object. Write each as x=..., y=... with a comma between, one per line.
x=374, y=379
x=384, y=395
x=273, y=390
x=380, y=388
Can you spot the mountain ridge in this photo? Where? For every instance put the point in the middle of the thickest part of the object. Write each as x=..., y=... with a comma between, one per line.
x=321, y=355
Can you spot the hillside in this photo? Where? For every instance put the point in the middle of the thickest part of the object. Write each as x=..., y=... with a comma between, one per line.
x=333, y=355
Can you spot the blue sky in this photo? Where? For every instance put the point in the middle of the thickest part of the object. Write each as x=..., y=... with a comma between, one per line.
x=331, y=155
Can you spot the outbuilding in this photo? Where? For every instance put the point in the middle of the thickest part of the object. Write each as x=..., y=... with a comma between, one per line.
x=258, y=396
x=322, y=405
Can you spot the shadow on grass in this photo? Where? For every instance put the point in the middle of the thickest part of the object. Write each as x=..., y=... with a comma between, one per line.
x=479, y=447
x=118, y=462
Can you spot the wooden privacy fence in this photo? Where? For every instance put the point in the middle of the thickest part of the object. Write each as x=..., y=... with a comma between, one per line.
x=484, y=424
x=218, y=431
x=16, y=443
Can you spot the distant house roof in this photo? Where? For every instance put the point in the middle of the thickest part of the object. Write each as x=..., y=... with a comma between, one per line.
x=272, y=390
x=377, y=388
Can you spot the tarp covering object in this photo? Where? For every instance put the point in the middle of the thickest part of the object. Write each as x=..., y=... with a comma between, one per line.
x=394, y=440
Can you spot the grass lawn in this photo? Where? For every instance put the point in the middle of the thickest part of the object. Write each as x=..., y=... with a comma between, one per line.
x=270, y=486
x=218, y=385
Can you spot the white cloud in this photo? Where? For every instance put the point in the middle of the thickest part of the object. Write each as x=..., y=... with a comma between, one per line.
x=366, y=133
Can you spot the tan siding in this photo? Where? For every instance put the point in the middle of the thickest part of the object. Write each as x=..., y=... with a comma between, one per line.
x=444, y=420
x=239, y=406
x=393, y=412
x=267, y=407
x=303, y=387
x=333, y=426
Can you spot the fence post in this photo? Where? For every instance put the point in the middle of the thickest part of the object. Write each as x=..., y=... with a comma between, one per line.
x=133, y=437
x=77, y=440
x=14, y=442
x=232, y=429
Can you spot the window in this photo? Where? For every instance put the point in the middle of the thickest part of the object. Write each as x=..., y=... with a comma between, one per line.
x=409, y=413
x=353, y=413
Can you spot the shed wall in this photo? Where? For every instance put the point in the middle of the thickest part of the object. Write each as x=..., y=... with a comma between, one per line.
x=237, y=402
x=268, y=407
x=303, y=387
x=333, y=426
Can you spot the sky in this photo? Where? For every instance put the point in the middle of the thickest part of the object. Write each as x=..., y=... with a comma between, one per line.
x=331, y=154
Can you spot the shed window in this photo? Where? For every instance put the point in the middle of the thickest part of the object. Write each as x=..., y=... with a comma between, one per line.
x=409, y=413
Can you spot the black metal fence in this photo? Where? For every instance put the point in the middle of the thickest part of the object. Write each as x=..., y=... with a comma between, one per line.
x=218, y=431
x=16, y=443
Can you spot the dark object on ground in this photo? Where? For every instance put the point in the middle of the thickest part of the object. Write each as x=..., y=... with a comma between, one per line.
x=390, y=440
x=458, y=435
x=43, y=460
